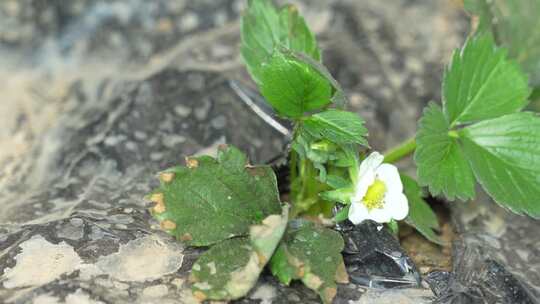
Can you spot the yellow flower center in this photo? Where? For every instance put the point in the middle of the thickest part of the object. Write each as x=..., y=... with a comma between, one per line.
x=375, y=195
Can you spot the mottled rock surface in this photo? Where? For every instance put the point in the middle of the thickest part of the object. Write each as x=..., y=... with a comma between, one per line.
x=98, y=96
x=497, y=251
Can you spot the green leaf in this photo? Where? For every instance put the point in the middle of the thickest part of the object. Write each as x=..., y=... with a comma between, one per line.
x=393, y=226
x=338, y=126
x=264, y=29
x=312, y=254
x=231, y=268
x=281, y=266
x=215, y=199
x=302, y=144
x=350, y=159
x=336, y=181
x=293, y=87
x=481, y=9
x=265, y=237
x=421, y=217
x=441, y=163
x=483, y=87
x=342, y=214
x=505, y=156
x=339, y=98
x=322, y=152
x=259, y=34
x=342, y=195
x=295, y=34
x=482, y=83
x=217, y=273
x=515, y=26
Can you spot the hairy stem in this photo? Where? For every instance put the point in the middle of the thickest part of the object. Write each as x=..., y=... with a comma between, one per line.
x=403, y=150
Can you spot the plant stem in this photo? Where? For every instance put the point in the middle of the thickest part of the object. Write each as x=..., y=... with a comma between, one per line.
x=394, y=227
x=293, y=168
x=403, y=150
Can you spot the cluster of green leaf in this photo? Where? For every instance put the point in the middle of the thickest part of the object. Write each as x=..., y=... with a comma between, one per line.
x=480, y=132
x=234, y=207
x=284, y=59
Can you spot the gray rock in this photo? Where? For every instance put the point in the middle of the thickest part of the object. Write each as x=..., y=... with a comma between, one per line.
x=89, y=229
x=496, y=256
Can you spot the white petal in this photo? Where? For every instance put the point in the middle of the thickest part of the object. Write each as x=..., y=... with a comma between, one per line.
x=362, y=185
x=371, y=163
x=380, y=215
x=389, y=175
x=358, y=213
x=397, y=205
x=366, y=175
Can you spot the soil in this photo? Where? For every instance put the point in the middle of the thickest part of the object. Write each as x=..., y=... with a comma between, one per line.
x=427, y=255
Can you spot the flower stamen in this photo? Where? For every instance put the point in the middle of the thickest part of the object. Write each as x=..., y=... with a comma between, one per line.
x=375, y=195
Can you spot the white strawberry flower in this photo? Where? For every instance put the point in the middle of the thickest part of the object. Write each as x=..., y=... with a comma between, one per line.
x=378, y=193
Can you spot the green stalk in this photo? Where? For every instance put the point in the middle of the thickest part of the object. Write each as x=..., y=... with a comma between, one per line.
x=293, y=168
x=394, y=227
x=403, y=150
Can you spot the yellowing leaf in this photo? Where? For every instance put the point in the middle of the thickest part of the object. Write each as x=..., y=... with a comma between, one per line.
x=312, y=254
x=229, y=270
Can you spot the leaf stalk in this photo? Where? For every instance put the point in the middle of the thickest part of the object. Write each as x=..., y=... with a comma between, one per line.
x=401, y=151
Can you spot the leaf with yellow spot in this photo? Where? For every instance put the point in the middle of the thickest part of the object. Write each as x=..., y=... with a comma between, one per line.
x=312, y=254
x=231, y=268
x=214, y=199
